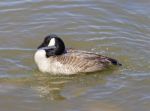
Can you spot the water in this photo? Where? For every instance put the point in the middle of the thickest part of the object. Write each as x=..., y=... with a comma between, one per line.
x=116, y=28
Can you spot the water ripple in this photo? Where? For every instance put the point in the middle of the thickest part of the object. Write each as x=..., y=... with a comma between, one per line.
x=116, y=28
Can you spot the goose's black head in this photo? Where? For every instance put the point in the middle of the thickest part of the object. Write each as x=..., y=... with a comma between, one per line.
x=53, y=45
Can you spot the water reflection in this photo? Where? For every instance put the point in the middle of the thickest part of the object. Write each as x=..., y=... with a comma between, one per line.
x=49, y=86
x=60, y=87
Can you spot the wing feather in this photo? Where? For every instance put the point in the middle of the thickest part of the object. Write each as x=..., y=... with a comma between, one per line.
x=82, y=61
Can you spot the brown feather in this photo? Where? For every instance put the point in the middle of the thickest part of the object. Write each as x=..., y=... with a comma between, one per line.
x=82, y=61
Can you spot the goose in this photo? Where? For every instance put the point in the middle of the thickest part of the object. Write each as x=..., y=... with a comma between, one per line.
x=53, y=57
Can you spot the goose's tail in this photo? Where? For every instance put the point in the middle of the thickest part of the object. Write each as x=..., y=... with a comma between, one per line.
x=114, y=62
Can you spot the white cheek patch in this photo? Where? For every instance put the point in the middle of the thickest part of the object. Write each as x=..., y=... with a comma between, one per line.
x=52, y=42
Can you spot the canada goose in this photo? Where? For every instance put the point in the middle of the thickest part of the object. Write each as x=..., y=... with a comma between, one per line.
x=52, y=57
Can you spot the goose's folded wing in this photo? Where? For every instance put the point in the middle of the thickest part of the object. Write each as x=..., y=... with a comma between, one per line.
x=84, y=62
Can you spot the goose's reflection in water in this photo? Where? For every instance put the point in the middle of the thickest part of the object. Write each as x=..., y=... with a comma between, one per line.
x=60, y=87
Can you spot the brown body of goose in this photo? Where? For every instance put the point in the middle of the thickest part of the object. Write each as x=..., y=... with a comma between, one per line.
x=69, y=61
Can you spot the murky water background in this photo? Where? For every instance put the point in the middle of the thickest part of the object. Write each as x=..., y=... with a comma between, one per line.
x=116, y=28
